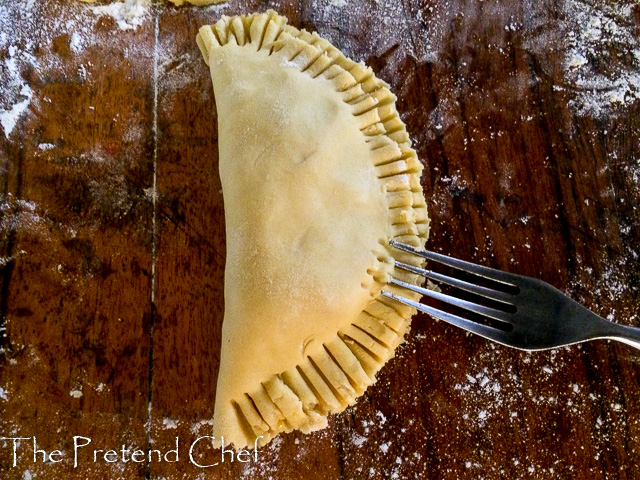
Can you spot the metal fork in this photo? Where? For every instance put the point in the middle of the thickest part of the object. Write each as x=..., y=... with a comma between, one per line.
x=531, y=314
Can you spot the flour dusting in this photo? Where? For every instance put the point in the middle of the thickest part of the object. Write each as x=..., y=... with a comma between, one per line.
x=76, y=44
x=15, y=89
x=337, y=3
x=170, y=423
x=9, y=118
x=602, y=59
x=129, y=15
x=195, y=428
x=40, y=40
x=76, y=393
x=393, y=22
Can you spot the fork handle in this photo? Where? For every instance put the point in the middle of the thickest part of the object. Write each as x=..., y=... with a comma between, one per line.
x=620, y=333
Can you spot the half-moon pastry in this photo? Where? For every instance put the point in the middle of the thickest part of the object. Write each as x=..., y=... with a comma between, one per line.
x=318, y=175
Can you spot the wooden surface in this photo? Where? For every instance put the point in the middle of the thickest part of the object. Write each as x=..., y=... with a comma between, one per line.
x=112, y=239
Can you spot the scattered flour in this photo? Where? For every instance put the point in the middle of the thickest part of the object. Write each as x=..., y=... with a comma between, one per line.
x=358, y=440
x=602, y=57
x=395, y=22
x=76, y=393
x=3, y=394
x=9, y=118
x=28, y=37
x=76, y=44
x=195, y=428
x=129, y=14
x=13, y=85
x=3, y=262
x=338, y=3
x=170, y=423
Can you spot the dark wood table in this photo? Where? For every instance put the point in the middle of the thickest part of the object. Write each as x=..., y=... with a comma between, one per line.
x=112, y=246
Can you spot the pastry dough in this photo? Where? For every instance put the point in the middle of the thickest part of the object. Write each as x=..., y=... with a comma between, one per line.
x=318, y=174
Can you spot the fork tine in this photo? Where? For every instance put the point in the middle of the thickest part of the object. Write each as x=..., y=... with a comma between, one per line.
x=486, y=331
x=458, y=302
x=486, y=272
x=461, y=284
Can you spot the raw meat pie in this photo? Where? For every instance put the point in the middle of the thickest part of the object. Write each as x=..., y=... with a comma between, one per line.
x=318, y=174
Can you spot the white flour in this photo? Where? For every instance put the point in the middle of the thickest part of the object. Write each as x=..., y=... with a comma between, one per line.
x=393, y=26
x=13, y=85
x=9, y=118
x=27, y=35
x=129, y=15
x=602, y=60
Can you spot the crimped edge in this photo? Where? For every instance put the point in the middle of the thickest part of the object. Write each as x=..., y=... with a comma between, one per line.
x=331, y=380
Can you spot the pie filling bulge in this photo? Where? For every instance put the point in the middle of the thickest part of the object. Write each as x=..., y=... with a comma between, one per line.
x=318, y=175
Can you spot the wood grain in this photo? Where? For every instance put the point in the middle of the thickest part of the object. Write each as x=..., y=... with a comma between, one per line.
x=76, y=232
x=112, y=240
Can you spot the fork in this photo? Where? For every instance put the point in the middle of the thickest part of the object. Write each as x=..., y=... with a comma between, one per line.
x=530, y=314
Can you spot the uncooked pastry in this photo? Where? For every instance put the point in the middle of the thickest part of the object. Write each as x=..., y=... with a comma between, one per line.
x=318, y=174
